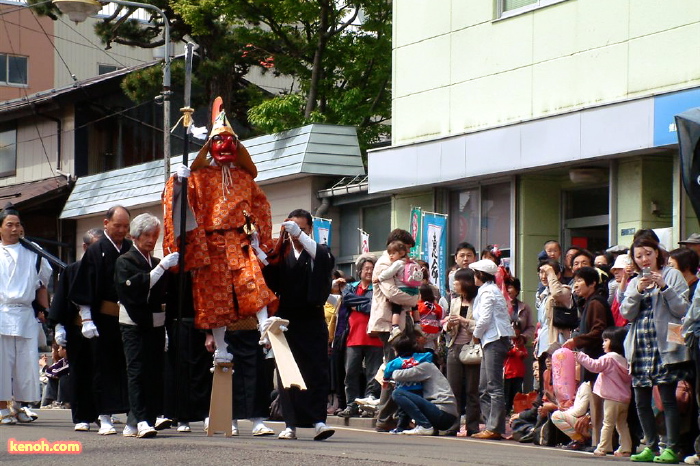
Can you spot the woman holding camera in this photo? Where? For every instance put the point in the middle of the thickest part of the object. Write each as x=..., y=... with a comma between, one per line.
x=655, y=302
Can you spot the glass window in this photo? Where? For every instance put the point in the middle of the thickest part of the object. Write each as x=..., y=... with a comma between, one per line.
x=481, y=216
x=3, y=68
x=16, y=70
x=376, y=220
x=104, y=69
x=513, y=4
x=8, y=150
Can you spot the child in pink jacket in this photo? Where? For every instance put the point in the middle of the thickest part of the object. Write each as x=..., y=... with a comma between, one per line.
x=614, y=386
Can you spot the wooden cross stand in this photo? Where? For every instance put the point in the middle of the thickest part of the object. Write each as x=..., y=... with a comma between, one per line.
x=220, y=409
x=284, y=359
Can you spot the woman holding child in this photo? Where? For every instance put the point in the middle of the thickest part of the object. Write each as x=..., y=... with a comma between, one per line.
x=655, y=302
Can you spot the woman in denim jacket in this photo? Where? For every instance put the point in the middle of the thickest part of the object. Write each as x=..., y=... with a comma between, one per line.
x=655, y=302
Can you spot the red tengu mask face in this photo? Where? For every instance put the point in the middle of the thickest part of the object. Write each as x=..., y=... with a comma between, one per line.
x=224, y=148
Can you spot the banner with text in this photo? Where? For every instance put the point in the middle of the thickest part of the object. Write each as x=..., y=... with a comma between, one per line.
x=364, y=241
x=434, y=247
x=322, y=231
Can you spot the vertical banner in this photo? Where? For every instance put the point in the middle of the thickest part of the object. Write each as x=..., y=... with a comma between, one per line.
x=415, y=230
x=433, y=248
x=364, y=241
x=322, y=231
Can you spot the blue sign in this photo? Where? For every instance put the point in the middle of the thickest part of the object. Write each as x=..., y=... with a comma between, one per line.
x=322, y=231
x=665, y=108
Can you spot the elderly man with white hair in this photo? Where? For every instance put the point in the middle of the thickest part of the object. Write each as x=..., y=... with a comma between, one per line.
x=141, y=289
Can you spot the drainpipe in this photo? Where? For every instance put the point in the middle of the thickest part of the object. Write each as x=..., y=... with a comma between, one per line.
x=323, y=208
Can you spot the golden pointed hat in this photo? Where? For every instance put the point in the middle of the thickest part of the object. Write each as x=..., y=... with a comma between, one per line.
x=220, y=125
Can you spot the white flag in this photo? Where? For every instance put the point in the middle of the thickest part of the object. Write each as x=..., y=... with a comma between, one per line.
x=364, y=242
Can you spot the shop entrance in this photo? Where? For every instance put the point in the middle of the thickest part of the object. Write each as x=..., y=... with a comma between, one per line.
x=587, y=218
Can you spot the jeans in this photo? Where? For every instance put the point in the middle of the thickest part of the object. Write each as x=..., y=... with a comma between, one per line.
x=423, y=411
x=354, y=357
x=491, y=391
x=643, y=399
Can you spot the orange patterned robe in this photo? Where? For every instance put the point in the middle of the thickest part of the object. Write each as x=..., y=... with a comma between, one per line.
x=227, y=278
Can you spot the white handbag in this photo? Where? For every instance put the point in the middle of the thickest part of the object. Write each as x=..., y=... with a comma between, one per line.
x=470, y=354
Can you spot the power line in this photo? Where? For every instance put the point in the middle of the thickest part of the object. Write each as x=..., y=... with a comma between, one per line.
x=54, y=46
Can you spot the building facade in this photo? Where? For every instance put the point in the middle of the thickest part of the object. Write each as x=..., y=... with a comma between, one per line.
x=529, y=120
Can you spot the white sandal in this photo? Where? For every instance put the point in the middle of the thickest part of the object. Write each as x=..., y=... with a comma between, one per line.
x=287, y=434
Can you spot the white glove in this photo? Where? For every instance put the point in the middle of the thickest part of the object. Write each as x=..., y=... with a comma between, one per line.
x=89, y=330
x=183, y=171
x=292, y=228
x=59, y=335
x=170, y=260
x=265, y=325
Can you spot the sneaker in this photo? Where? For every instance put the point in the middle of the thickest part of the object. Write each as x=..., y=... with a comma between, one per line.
x=396, y=431
x=667, y=456
x=692, y=459
x=163, y=423
x=646, y=456
x=145, y=430
x=82, y=427
x=323, y=431
x=184, y=427
x=370, y=401
x=395, y=332
x=419, y=430
x=288, y=434
x=352, y=410
x=130, y=431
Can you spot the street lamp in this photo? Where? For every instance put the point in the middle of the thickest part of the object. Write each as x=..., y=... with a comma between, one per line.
x=79, y=10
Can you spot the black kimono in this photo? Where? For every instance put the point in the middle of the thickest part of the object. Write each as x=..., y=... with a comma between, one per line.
x=64, y=312
x=94, y=284
x=142, y=334
x=303, y=291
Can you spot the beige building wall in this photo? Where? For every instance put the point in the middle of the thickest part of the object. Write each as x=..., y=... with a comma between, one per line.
x=457, y=69
x=81, y=50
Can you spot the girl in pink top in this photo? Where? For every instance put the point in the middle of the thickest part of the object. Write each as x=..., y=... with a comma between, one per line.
x=614, y=386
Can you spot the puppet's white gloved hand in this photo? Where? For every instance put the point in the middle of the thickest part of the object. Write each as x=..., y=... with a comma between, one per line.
x=292, y=228
x=89, y=329
x=59, y=335
x=265, y=325
x=183, y=171
x=170, y=260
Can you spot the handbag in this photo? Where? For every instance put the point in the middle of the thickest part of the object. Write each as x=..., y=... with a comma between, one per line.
x=470, y=354
x=565, y=317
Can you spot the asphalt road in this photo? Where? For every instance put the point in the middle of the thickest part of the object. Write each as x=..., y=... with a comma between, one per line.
x=356, y=447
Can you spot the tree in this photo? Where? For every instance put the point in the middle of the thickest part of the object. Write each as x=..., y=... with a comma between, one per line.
x=339, y=55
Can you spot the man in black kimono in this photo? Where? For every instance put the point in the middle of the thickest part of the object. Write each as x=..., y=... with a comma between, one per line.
x=64, y=314
x=303, y=282
x=94, y=292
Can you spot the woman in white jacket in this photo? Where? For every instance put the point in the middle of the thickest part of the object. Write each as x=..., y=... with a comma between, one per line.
x=494, y=330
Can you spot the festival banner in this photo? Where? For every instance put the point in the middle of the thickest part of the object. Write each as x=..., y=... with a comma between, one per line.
x=434, y=247
x=322, y=231
x=415, y=230
x=364, y=241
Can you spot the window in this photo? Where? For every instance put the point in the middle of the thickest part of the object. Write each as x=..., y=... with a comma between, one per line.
x=481, y=216
x=8, y=150
x=104, y=69
x=13, y=69
x=507, y=8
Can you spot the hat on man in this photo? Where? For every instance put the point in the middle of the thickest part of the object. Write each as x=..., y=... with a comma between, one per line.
x=621, y=261
x=694, y=238
x=485, y=265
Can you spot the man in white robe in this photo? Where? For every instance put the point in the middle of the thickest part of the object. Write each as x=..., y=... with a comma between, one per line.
x=23, y=278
